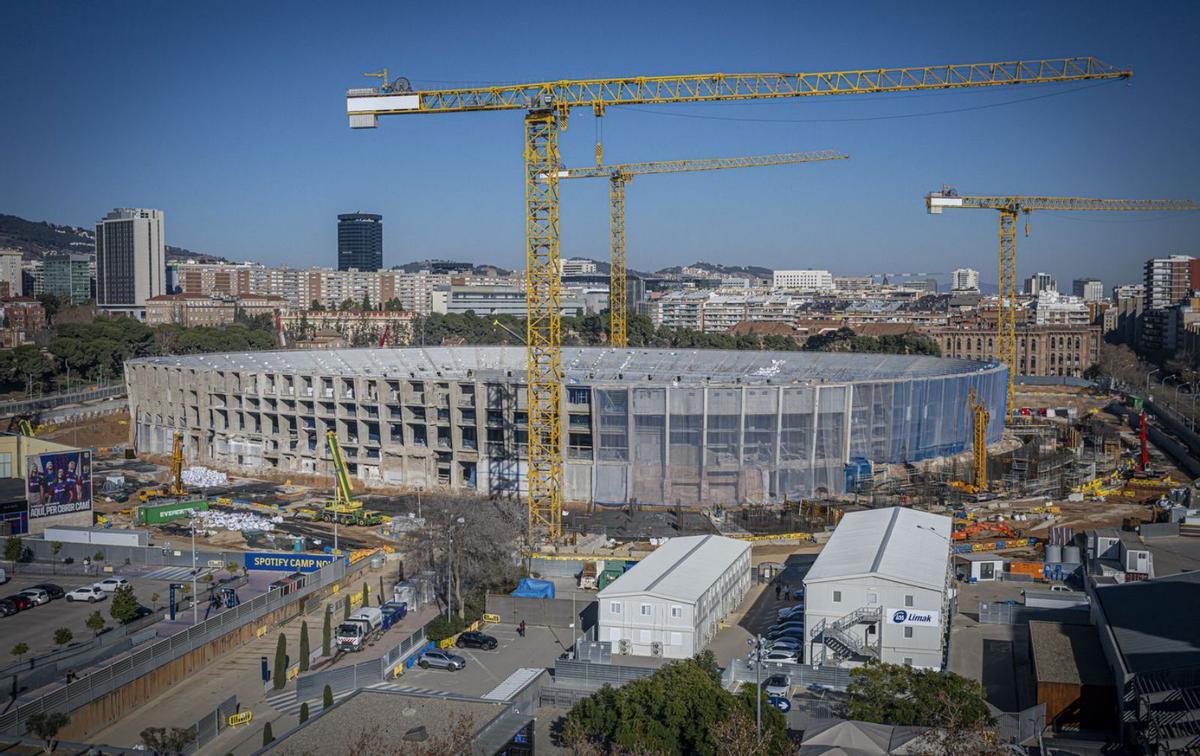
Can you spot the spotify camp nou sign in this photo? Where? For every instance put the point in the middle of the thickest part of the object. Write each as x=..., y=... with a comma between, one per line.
x=279, y=561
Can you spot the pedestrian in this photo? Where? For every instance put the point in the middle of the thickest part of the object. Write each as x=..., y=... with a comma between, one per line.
x=786, y=591
x=521, y=629
x=777, y=589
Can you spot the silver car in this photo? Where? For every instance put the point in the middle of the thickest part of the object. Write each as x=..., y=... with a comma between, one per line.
x=439, y=659
x=36, y=596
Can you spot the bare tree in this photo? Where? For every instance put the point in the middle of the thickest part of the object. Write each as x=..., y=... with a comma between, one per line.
x=954, y=734
x=736, y=735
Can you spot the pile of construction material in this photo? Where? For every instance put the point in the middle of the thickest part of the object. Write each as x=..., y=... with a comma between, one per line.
x=215, y=520
x=199, y=476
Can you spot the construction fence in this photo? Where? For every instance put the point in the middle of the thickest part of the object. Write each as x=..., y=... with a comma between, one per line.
x=363, y=674
x=141, y=662
x=212, y=724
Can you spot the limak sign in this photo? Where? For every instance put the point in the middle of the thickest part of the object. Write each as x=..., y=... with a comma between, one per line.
x=919, y=617
x=283, y=561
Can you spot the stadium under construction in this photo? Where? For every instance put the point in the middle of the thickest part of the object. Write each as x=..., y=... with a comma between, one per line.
x=641, y=426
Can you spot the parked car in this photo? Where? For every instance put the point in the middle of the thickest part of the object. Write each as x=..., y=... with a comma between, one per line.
x=777, y=685
x=3, y=576
x=791, y=611
x=441, y=660
x=798, y=594
x=8, y=608
x=88, y=593
x=36, y=595
x=786, y=632
x=22, y=602
x=473, y=639
x=780, y=702
x=786, y=643
x=56, y=592
x=786, y=655
x=110, y=584
x=789, y=625
x=1060, y=589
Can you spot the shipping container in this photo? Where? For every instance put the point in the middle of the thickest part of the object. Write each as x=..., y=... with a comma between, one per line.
x=176, y=510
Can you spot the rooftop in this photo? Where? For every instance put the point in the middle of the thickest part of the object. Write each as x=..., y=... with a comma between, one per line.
x=589, y=364
x=902, y=544
x=1136, y=615
x=682, y=568
x=1068, y=654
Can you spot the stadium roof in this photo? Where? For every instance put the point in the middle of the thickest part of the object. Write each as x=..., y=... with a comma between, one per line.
x=587, y=364
x=682, y=569
x=902, y=544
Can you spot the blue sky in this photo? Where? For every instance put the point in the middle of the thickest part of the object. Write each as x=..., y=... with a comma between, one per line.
x=230, y=118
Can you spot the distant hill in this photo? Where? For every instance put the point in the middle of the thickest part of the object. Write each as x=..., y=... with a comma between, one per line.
x=38, y=238
x=446, y=265
x=752, y=271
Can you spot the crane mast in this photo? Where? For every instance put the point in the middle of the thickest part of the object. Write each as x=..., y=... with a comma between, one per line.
x=619, y=176
x=1009, y=207
x=547, y=106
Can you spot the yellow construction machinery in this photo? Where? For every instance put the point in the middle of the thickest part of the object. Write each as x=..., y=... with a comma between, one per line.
x=174, y=486
x=980, y=416
x=547, y=105
x=619, y=176
x=26, y=428
x=344, y=508
x=1009, y=207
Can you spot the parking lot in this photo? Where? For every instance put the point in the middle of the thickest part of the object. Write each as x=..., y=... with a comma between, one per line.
x=36, y=626
x=487, y=669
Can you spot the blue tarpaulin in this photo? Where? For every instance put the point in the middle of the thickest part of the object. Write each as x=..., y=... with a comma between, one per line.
x=532, y=588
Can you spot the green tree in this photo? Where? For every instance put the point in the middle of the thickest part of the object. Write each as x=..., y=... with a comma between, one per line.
x=98, y=556
x=379, y=597
x=304, y=646
x=347, y=305
x=316, y=306
x=327, y=631
x=20, y=650
x=14, y=549
x=125, y=606
x=268, y=736
x=303, y=712
x=45, y=726
x=63, y=636
x=326, y=697
x=680, y=709
x=154, y=599
x=366, y=303
x=366, y=594
x=393, y=305
x=279, y=679
x=167, y=742
x=346, y=609
x=95, y=622
x=900, y=695
x=55, y=547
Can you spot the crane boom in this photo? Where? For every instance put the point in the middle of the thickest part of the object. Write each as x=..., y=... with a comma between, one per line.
x=547, y=105
x=367, y=103
x=343, y=493
x=1009, y=206
x=619, y=176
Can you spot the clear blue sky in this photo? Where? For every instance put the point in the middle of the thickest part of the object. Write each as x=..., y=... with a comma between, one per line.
x=230, y=118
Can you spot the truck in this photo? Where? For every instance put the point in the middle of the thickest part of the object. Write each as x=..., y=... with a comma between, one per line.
x=393, y=612
x=352, y=634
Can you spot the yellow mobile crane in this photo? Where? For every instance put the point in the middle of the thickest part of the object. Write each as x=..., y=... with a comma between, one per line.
x=1009, y=207
x=621, y=174
x=546, y=106
x=344, y=508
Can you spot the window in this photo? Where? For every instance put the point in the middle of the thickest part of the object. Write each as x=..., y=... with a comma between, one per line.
x=644, y=636
x=908, y=600
x=907, y=632
x=6, y=465
x=908, y=661
x=614, y=607
x=647, y=610
x=676, y=639
x=872, y=599
x=676, y=611
x=837, y=597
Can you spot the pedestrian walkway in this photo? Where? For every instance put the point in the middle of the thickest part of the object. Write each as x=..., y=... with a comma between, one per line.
x=285, y=701
x=176, y=573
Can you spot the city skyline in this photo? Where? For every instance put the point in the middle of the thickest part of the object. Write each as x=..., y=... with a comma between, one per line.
x=252, y=161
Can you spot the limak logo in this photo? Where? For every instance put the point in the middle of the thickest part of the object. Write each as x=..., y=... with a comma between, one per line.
x=899, y=616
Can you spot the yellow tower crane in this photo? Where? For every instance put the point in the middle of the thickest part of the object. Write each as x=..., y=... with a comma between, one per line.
x=546, y=106
x=979, y=453
x=1009, y=207
x=176, y=485
x=619, y=176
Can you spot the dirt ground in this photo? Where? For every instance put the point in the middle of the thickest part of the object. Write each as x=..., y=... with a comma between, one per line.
x=97, y=432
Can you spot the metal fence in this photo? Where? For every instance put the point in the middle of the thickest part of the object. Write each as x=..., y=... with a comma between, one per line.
x=1018, y=727
x=26, y=406
x=588, y=673
x=1003, y=613
x=804, y=675
x=363, y=674
x=177, y=555
x=107, y=679
x=211, y=724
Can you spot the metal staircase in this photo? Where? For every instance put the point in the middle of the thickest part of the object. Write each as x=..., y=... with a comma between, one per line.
x=837, y=638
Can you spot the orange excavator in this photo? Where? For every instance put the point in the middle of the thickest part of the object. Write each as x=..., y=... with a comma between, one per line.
x=972, y=529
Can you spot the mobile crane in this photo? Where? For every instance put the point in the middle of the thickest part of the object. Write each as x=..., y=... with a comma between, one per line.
x=344, y=508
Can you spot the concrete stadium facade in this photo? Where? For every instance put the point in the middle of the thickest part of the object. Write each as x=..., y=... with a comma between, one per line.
x=649, y=426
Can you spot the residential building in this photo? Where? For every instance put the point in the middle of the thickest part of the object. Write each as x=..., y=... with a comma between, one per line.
x=1053, y=308
x=673, y=602
x=1170, y=280
x=68, y=275
x=964, y=279
x=1041, y=350
x=31, y=277
x=191, y=310
x=577, y=266
x=1088, y=289
x=1163, y=329
x=881, y=589
x=23, y=317
x=853, y=283
x=10, y=273
x=360, y=242
x=494, y=300
x=130, y=260
x=803, y=280
x=927, y=285
x=1125, y=316
x=1040, y=282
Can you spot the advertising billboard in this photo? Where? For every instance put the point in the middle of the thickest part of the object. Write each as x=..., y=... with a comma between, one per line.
x=59, y=483
x=920, y=617
x=290, y=562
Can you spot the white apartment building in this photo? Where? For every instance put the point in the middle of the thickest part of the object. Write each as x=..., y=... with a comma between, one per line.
x=1060, y=309
x=719, y=311
x=1088, y=289
x=575, y=267
x=881, y=589
x=130, y=260
x=964, y=279
x=803, y=280
x=1040, y=282
x=672, y=603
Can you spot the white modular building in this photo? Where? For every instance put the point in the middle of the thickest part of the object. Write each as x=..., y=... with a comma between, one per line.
x=882, y=588
x=671, y=604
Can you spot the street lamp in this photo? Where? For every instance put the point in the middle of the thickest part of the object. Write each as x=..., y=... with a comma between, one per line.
x=449, y=568
x=756, y=644
x=195, y=608
x=1152, y=372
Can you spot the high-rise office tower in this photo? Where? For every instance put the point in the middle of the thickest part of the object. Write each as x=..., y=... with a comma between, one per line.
x=10, y=273
x=964, y=279
x=68, y=275
x=1090, y=289
x=131, y=260
x=360, y=242
x=1040, y=282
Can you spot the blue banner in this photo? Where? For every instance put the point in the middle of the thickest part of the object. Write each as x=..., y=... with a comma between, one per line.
x=286, y=561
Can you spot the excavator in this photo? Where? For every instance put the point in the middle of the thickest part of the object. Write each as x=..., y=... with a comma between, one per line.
x=174, y=487
x=971, y=529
